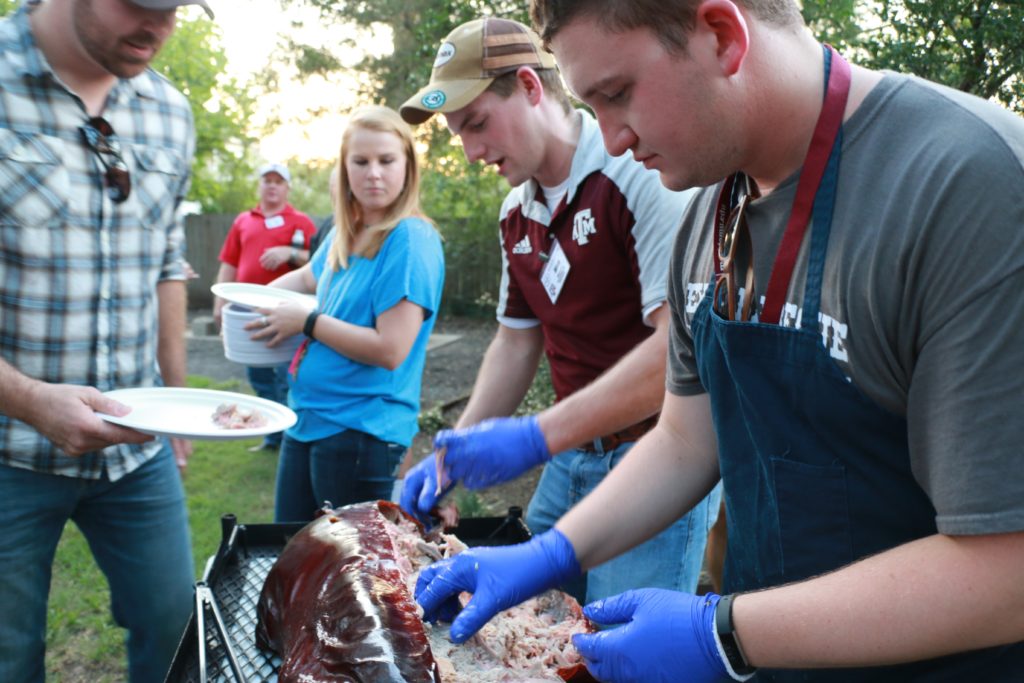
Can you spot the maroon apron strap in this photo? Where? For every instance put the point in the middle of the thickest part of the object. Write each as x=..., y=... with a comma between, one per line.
x=829, y=121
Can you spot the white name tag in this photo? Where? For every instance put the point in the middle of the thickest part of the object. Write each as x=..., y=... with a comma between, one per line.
x=274, y=222
x=554, y=272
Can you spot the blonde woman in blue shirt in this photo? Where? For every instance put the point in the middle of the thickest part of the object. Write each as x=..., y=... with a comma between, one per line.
x=355, y=382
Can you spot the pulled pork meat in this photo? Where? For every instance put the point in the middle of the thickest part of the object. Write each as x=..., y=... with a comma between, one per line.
x=230, y=416
x=338, y=606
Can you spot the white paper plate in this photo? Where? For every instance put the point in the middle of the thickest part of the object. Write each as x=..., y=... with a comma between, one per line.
x=188, y=413
x=260, y=296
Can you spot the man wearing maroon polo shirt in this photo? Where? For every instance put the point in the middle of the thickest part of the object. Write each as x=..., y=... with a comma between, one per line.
x=585, y=239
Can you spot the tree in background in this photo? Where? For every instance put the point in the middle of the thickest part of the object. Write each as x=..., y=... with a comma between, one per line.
x=309, y=189
x=193, y=60
x=977, y=47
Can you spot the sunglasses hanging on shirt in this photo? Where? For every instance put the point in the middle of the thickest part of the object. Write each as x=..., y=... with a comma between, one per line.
x=100, y=137
x=733, y=234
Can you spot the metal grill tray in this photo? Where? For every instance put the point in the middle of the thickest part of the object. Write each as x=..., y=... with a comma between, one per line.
x=235, y=575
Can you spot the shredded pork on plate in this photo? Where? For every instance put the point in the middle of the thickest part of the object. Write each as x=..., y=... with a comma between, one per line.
x=230, y=416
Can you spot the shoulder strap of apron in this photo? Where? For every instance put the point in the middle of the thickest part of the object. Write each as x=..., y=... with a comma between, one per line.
x=824, y=146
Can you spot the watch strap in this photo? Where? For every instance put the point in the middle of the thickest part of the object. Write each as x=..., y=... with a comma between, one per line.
x=736, y=663
x=307, y=328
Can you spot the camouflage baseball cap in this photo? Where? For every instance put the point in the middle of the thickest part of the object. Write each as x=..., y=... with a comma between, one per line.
x=469, y=59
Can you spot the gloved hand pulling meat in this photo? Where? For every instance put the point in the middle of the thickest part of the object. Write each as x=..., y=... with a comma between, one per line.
x=498, y=578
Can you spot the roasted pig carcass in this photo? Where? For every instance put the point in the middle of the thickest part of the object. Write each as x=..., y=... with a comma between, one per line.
x=337, y=606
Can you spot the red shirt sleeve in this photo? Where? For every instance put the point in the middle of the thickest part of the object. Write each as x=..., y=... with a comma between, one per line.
x=231, y=251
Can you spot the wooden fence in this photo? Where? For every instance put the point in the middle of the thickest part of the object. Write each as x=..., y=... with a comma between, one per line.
x=472, y=269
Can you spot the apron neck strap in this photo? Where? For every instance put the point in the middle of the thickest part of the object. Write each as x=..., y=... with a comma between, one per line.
x=826, y=136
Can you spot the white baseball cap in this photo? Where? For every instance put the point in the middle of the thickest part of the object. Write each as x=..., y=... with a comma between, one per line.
x=171, y=4
x=279, y=169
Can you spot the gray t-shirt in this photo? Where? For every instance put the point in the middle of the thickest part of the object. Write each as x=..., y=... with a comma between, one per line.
x=923, y=290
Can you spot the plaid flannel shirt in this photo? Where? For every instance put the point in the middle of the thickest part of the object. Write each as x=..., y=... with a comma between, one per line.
x=78, y=273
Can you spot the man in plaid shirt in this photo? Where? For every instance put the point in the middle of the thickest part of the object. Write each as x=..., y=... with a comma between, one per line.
x=95, y=157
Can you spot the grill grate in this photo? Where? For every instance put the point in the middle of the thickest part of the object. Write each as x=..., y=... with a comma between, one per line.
x=237, y=593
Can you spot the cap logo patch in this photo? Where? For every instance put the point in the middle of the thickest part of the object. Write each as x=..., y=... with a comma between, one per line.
x=444, y=54
x=433, y=100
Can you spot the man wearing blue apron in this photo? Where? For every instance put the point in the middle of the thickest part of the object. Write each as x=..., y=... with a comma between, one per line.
x=847, y=326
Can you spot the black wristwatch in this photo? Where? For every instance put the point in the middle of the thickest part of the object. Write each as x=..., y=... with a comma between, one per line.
x=307, y=329
x=727, y=636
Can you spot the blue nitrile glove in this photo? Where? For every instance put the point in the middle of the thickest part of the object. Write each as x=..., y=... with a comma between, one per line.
x=493, y=451
x=666, y=636
x=498, y=578
x=419, y=492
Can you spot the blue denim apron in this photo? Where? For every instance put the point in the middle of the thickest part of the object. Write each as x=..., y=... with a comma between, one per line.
x=816, y=474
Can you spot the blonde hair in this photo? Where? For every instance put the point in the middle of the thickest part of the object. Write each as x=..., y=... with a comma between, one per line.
x=348, y=217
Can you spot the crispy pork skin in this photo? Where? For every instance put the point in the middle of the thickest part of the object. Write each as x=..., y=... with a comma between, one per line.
x=335, y=606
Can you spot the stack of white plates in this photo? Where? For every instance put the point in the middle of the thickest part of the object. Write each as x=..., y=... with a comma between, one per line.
x=243, y=298
x=240, y=348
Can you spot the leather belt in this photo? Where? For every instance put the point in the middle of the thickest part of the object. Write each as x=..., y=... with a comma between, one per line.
x=627, y=435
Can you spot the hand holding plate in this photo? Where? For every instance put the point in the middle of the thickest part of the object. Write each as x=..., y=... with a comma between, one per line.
x=67, y=415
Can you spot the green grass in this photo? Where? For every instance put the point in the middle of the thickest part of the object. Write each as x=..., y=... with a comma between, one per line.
x=83, y=643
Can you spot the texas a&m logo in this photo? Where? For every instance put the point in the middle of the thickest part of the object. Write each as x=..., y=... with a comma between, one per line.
x=583, y=227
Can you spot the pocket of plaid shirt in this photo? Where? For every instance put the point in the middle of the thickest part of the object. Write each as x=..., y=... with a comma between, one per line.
x=157, y=180
x=34, y=185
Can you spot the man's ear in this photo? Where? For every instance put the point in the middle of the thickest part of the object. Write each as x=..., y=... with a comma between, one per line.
x=529, y=81
x=723, y=24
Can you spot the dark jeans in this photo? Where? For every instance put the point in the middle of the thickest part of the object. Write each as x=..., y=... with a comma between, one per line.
x=137, y=530
x=272, y=384
x=349, y=467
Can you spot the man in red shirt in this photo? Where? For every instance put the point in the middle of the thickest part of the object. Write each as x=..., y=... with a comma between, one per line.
x=263, y=244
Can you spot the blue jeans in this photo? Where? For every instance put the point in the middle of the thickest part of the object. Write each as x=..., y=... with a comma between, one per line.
x=672, y=559
x=272, y=384
x=349, y=467
x=137, y=528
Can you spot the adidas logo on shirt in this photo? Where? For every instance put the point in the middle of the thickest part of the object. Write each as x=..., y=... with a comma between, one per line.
x=523, y=246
